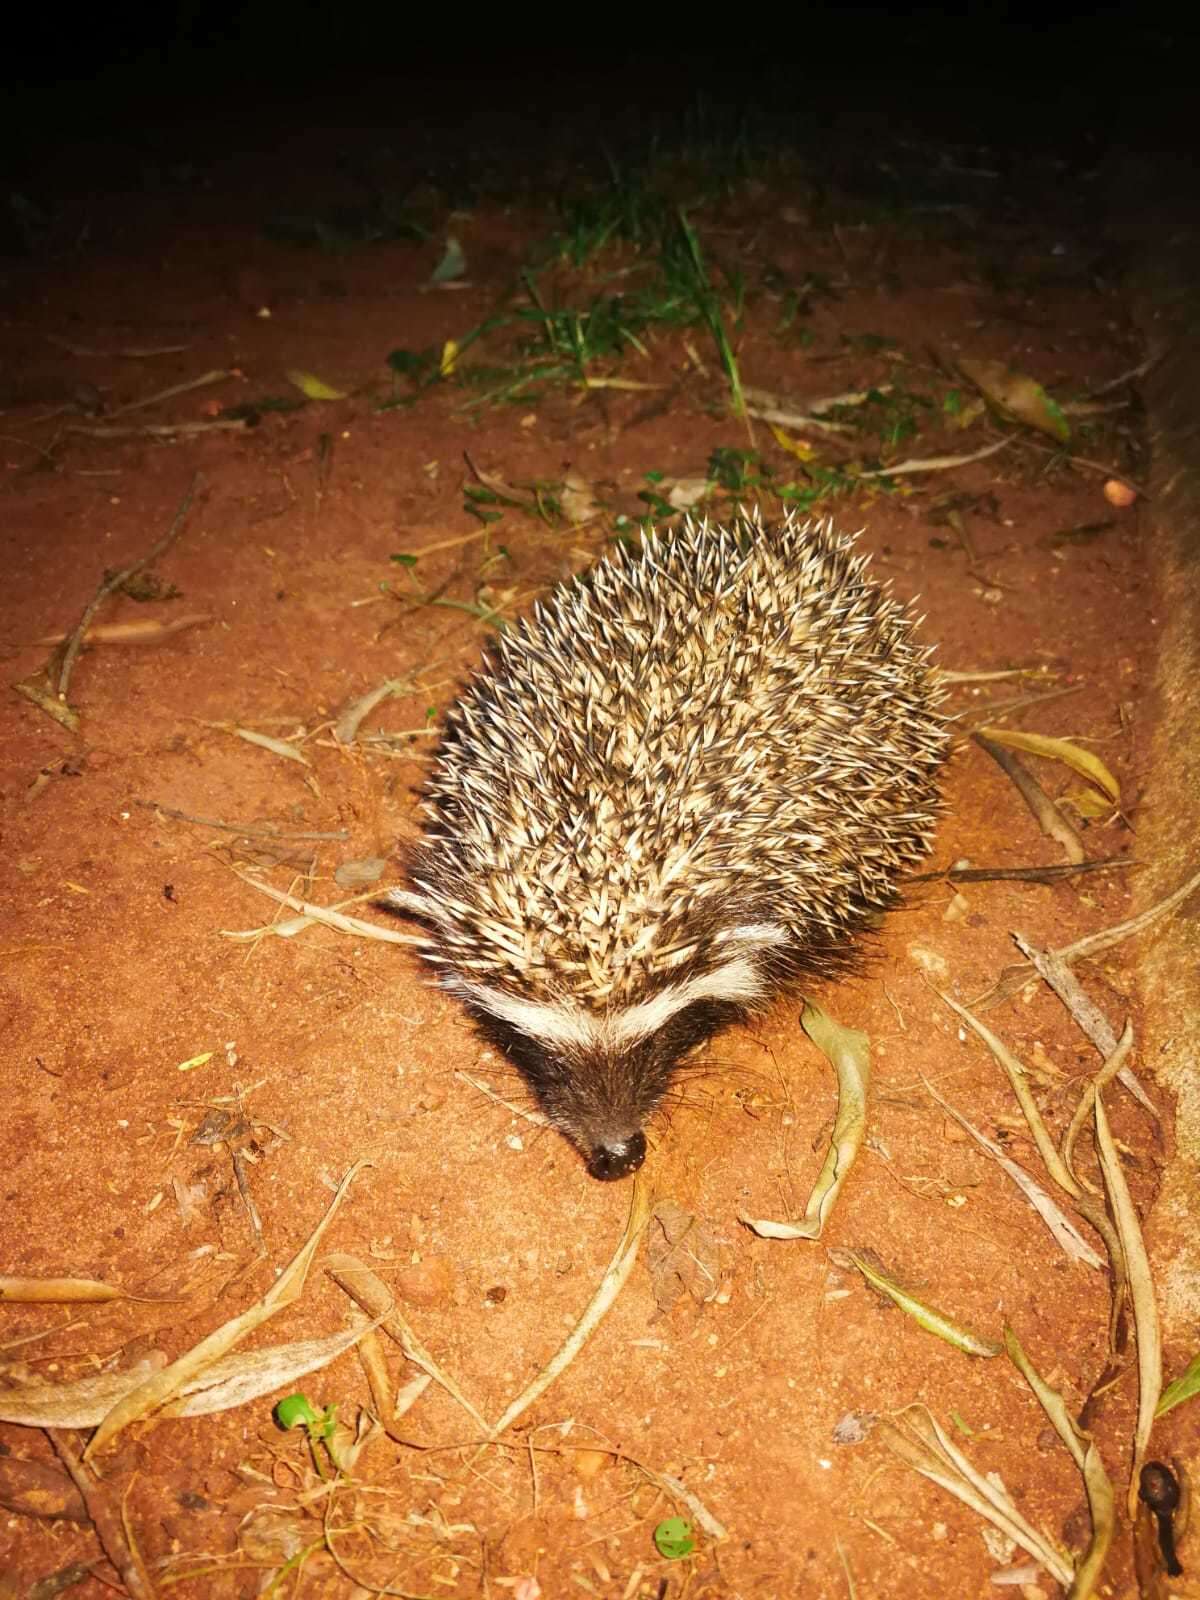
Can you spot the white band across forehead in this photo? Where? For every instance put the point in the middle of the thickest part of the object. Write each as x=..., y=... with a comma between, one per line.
x=737, y=981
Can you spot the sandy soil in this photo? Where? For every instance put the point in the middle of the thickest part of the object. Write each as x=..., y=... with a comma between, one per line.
x=131, y=1016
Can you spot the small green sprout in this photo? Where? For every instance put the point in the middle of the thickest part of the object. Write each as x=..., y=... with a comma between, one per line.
x=296, y=1411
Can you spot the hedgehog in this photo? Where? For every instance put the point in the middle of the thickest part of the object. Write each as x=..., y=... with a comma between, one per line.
x=673, y=793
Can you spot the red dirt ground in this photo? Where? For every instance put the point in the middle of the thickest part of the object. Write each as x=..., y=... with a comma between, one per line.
x=336, y=1050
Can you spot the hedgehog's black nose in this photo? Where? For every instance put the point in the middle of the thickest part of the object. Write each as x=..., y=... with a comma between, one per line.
x=617, y=1158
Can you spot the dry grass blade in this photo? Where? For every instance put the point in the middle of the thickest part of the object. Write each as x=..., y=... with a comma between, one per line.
x=611, y=1284
x=291, y=926
x=926, y=1448
x=150, y=630
x=1068, y=1236
x=152, y=1395
x=236, y=1380
x=1015, y=978
x=1094, y=943
x=1057, y=1164
x=936, y=463
x=1087, y=1100
x=925, y=1316
x=1097, y=1483
x=376, y=1299
x=116, y=581
x=264, y=741
x=705, y=1520
x=331, y=918
x=1055, y=972
x=81, y=1404
x=1141, y=1294
x=249, y=830
x=1019, y=1081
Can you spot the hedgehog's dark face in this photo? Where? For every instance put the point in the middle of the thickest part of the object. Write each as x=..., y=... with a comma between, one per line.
x=599, y=1077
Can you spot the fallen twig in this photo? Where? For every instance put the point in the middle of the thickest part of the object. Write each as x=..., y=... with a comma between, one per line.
x=161, y=429
x=252, y=830
x=1067, y=869
x=1047, y=815
x=105, y=1518
x=116, y=581
x=1057, y=974
x=203, y=382
x=935, y=463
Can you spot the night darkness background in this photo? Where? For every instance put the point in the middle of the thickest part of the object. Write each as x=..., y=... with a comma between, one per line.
x=127, y=82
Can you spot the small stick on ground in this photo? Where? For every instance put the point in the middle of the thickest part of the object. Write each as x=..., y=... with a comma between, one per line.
x=115, y=582
x=128, y=352
x=1070, y=869
x=105, y=1518
x=155, y=430
x=992, y=714
x=219, y=376
x=251, y=830
x=1049, y=818
x=1058, y=975
x=936, y=463
x=243, y=1183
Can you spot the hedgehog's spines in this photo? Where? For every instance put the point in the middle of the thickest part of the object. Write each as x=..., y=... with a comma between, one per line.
x=721, y=730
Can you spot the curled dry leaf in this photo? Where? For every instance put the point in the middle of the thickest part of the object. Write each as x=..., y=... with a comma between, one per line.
x=1070, y=754
x=75, y=1405
x=234, y=1380
x=348, y=723
x=682, y=1255
x=37, y=1489
x=849, y=1052
x=1018, y=396
x=578, y=500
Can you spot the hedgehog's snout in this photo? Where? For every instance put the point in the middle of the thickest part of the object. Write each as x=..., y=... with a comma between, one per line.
x=617, y=1158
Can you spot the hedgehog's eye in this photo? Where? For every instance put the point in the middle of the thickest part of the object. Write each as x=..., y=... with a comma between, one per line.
x=540, y=1062
x=690, y=1026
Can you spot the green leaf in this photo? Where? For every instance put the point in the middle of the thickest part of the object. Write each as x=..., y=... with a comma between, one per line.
x=296, y=1411
x=1185, y=1387
x=673, y=1538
